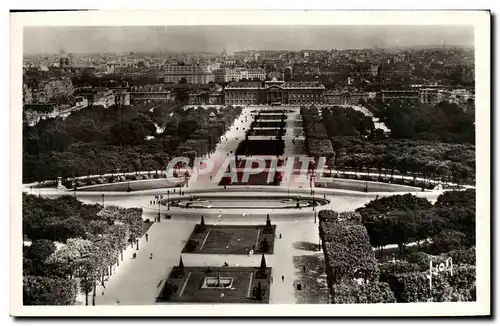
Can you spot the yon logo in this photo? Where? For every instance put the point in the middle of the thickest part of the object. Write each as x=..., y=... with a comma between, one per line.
x=444, y=267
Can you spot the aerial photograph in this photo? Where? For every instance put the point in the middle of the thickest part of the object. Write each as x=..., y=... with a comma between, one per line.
x=259, y=164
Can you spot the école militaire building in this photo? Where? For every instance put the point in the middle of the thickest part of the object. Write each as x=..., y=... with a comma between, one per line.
x=274, y=92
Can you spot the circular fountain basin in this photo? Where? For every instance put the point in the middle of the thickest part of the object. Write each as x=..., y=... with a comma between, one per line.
x=219, y=202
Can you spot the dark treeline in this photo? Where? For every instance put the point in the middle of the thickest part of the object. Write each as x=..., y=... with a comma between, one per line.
x=98, y=140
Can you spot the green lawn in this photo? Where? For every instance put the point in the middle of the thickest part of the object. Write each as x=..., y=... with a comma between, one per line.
x=229, y=239
x=187, y=286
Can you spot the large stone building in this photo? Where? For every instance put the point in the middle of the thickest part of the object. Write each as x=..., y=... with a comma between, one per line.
x=193, y=74
x=274, y=92
x=391, y=95
x=436, y=95
x=233, y=75
x=348, y=97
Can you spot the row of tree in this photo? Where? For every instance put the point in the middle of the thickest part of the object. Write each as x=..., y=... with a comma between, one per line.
x=354, y=276
x=126, y=138
x=445, y=230
x=402, y=219
x=430, y=160
x=364, y=151
x=446, y=122
x=351, y=266
x=92, y=240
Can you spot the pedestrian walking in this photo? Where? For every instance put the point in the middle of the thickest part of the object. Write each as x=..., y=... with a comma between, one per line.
x=280, y=235
x=282, y=278
x=146, y=236
x=151, y=256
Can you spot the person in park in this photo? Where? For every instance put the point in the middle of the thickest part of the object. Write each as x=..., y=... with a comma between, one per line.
x=151, y=256
x=282, y=278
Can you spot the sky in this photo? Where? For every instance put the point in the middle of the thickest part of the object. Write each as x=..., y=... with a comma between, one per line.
x=91, y=39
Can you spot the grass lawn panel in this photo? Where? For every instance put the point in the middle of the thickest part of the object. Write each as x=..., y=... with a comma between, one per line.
x=229, y=239
x=189, y=286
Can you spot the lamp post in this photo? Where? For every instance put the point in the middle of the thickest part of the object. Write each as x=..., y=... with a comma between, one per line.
x=168, y=200
x=159, y=210
x=314, y=207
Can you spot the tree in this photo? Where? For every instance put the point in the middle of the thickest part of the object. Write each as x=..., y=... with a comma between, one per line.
x=347, y=250
x=403, y=226
x=448, y=240
x=352, y=292
x=38, y=253
x=45, y=291
x=388, y=269
x=69, y=260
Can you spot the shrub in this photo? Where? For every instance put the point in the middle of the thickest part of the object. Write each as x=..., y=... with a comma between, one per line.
x=463, y=256
x=350, y=216
x=264, y=245
x=191, y=246
x=419, y=258
x=449, y=240
x=388, y=269
x=168, y=291
x=268, y=230
x=328, y=215
x=199, y=228
x=352, y=292
x=177, y=273
x=414, y=287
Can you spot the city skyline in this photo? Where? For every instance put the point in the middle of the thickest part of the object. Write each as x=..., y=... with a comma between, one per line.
x=114, y=39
